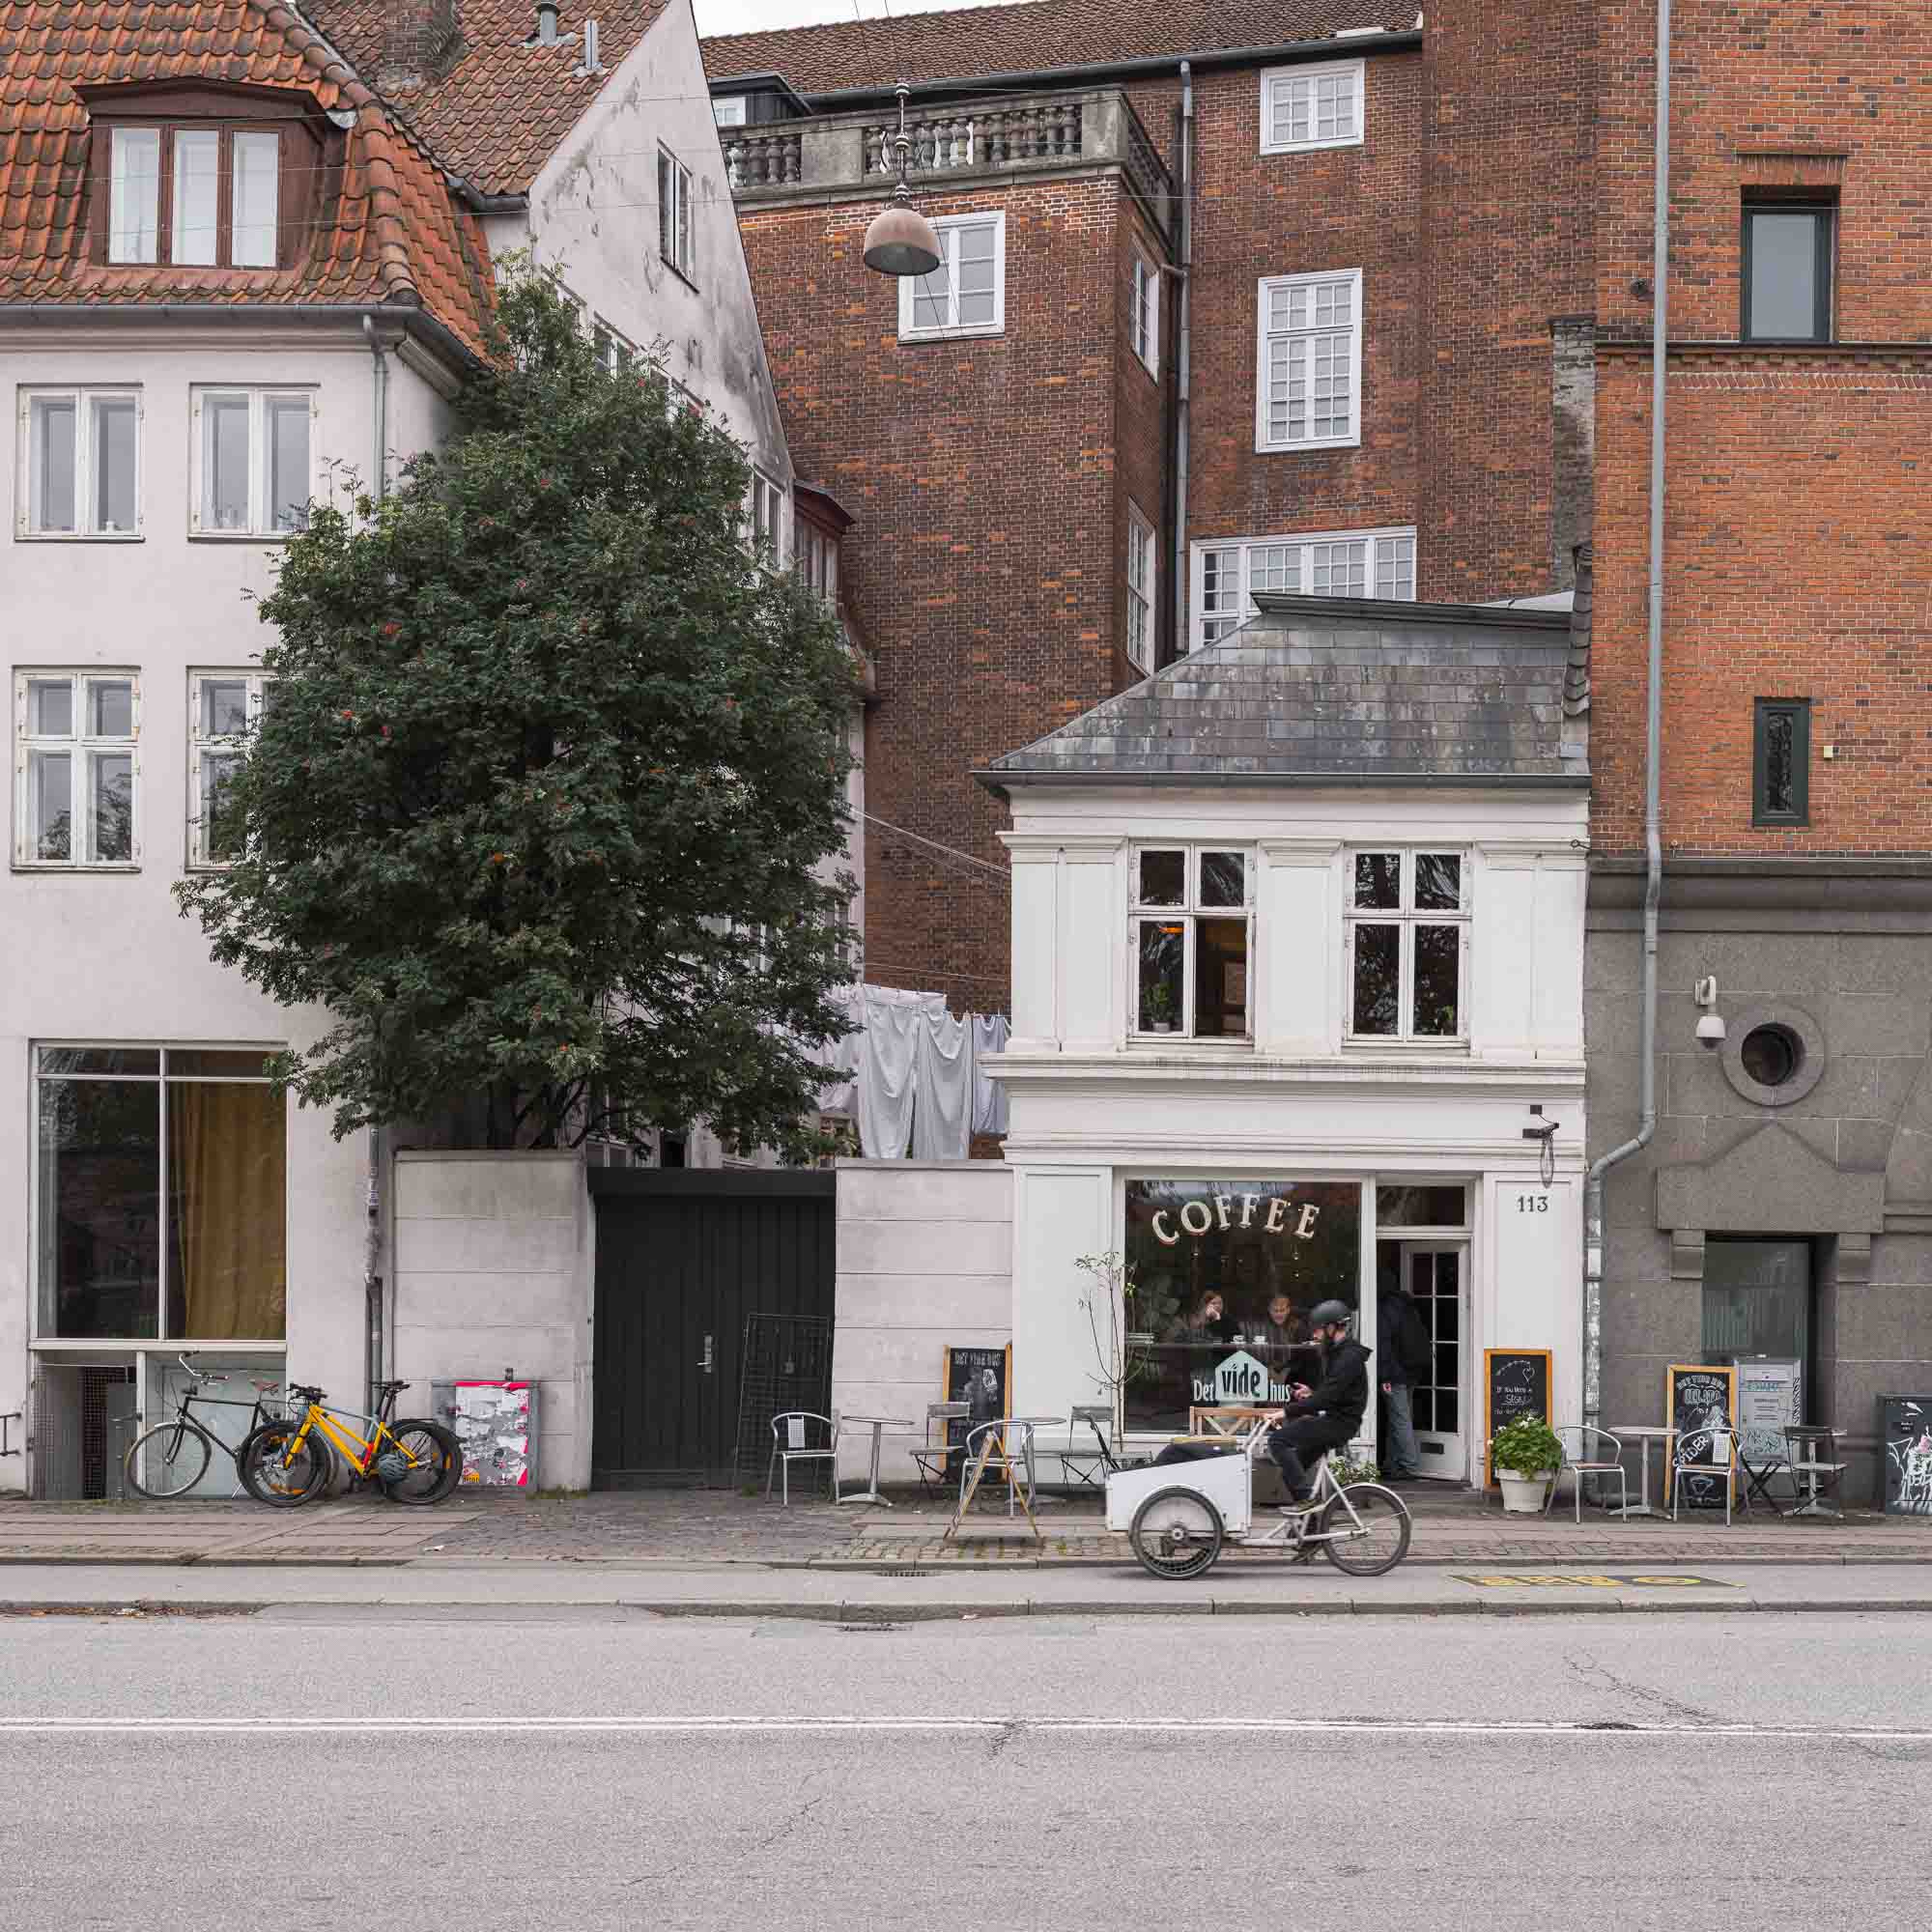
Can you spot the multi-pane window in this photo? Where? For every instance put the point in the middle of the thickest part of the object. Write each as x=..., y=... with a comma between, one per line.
x=1782, y=761
x=76, y=764
x=253, y=476
x=1309, y=353
x=614, y=350
x=195, y=196
x=1788, y=271
x=161, y=1195
x=1408, y=937
x=768, y=516
x=1142, y=574
x=727, y=110
x=815, y=558
x=222, y=708
x=1341, y=563
x=1312, y=107
x=1143, y=313
x=1191, y=936
x=674, y=212
x=966, y=295
x=81, y=464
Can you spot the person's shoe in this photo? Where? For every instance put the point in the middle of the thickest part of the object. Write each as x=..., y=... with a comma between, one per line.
x=1300, y=1507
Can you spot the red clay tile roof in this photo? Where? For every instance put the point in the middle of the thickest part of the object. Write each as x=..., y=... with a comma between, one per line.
x=500, y=112
x=976, y=41
x=396, y=235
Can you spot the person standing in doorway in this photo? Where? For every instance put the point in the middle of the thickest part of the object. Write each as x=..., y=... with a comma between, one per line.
x=1403, y=1337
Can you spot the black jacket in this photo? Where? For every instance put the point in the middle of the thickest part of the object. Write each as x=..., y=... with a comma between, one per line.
x=1407, y=1357
x=1341, y=1395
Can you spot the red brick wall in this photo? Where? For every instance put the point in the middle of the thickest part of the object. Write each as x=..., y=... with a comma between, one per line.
x=1143, y=408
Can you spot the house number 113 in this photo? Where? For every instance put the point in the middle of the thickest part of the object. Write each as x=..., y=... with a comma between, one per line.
x=1532, y=1204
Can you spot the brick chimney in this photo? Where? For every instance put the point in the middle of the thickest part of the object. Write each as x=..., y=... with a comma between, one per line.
x=421, y=42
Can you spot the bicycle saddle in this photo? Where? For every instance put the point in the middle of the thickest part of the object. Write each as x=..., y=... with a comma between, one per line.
x=389, y=1388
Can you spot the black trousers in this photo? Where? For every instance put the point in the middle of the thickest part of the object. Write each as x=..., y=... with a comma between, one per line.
x=1304, y=1436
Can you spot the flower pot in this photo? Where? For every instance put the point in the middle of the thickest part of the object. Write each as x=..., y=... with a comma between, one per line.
x=1522, y=1495
x=1161, y=1026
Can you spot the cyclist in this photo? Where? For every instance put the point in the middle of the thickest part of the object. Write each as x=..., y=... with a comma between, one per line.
x=1328, y=1414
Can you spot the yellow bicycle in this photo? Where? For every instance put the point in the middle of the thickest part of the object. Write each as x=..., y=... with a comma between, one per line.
x=287, y=1462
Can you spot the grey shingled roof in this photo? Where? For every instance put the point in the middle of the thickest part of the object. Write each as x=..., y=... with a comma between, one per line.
x=1337, y=691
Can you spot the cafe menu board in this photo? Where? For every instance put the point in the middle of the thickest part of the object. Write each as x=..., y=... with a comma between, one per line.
x=1701, y=1402
x=1905, y=1454
x=980, y=1378
x=1515, y=1383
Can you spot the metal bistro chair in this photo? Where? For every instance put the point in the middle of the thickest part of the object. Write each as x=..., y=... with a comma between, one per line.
x=1683, y=1464
x=934, y=1456
x=1091, y=1467
x=802, y=1435
x=1588, y=1452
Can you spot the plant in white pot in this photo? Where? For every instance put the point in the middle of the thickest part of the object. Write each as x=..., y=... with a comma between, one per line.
x=1525, y=1455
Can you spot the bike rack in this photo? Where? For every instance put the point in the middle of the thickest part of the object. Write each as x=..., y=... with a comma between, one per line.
x=12, y=1415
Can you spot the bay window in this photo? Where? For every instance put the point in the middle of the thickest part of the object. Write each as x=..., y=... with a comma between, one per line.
x=1191, y=937
x=1407, y=916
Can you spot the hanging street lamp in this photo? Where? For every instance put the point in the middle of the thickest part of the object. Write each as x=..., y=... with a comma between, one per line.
x=901, y=241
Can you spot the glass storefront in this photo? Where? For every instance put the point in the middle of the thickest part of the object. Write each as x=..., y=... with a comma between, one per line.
x=1222, y=1275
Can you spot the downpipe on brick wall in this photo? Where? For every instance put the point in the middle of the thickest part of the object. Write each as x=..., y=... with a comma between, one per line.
x=1182, y=361
x=1653, y=878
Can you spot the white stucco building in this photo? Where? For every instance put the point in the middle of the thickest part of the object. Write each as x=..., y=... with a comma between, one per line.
x=241, y=261
x=1298, y=950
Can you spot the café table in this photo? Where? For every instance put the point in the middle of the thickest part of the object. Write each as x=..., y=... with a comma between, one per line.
x=1645, y=1434
x=878, y=1423
x=1811, y=1452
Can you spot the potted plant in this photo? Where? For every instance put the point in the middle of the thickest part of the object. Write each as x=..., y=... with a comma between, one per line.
x=1525, y=1455
x=1158, y=1004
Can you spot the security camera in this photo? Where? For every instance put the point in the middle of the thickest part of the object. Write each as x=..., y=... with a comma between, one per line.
x=1711, y=1031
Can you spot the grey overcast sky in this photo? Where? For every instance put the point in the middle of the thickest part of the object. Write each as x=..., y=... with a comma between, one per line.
x=747, y=16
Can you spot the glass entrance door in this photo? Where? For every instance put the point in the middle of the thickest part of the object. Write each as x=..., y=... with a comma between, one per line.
x=1436, y=1277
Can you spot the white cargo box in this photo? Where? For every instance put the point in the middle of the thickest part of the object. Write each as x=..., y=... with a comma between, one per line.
x=1226, y=1481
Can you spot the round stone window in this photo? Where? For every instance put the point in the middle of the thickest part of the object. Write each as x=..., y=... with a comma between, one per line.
x=1773, y=1054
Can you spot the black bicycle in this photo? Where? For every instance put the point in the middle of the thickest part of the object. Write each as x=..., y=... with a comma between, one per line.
x=170, y=1458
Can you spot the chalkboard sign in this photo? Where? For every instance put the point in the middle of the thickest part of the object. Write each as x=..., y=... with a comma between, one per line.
x=980, y=1378
x=1905, y=1454
x=1700, y=1402
x=1515, y=1383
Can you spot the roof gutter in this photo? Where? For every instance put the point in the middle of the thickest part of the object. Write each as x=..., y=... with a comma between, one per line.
x=478, y=203
x=997, y=782
x=1281, y=53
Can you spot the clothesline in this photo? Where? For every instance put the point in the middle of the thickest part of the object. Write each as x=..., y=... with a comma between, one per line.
x=910, y=1075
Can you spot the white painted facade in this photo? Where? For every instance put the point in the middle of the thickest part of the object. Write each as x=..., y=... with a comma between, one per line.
x=1095, y=1106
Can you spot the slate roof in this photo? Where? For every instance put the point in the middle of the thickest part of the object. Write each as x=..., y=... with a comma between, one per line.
x=1032, y=35
x=497, y=115
x=1336, y=691
x=396, y=234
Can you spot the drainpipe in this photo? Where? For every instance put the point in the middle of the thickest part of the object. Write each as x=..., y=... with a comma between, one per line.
x=1182, y=360
x=374, y=1329
x=1660, y=341
x=382, y=409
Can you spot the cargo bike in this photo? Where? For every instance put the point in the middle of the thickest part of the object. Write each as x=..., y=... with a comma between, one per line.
x=1179, y=1515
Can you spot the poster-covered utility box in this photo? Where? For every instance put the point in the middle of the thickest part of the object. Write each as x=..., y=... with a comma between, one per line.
x=497, y=1424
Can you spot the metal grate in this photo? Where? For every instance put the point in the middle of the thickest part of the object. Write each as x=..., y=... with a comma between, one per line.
x=82, y=1419
x=787, y=1364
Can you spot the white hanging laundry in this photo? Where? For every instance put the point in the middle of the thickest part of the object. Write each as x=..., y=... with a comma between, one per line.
x=888, y=1067
x=840, y=1060
x=991, y=1034
x=942, y=1122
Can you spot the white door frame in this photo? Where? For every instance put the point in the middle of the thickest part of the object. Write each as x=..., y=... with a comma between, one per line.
x=1453, y=1463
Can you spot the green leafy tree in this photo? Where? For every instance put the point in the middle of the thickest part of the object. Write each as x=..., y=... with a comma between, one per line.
x=553, y=772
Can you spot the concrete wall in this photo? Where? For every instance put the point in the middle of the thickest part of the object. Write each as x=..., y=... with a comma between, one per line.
x=924, y=1260
x=493, y=1273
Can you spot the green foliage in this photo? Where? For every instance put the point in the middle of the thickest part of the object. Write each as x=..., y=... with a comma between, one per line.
x=545, y=802
x=1527, y=1446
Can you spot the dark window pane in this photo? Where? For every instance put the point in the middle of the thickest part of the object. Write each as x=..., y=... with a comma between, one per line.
x=1163, y=878
x=1422, y=1407
x=1781, y=729
x=1163, y=954
x=110, y=708
x=1379, y=881
x=51, y=708
x=51, y=805
x=1783, y=273
x=51, y=507
x=113, y=806
x=1224, y=879
x=1220, y=976
x=214, y=1064
x=227, y=1245
x=1439, y=1004
x=99, y=1059
x=114, y=425
x=224, y=707
x=1420, y=1207
x=220, y=819
x=1378, y=978
x=1439, y=882
x=288, y=464
x=1445, y=1407
x=99, y=1193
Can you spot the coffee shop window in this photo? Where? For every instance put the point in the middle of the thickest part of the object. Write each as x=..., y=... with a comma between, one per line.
x=1192, y=936
x=1224, y=1274
x=1408, y=942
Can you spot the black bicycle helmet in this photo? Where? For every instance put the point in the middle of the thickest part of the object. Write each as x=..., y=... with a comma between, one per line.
x=1325, y=1313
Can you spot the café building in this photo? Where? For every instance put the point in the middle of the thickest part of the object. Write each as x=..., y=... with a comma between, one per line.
x=1298, y=943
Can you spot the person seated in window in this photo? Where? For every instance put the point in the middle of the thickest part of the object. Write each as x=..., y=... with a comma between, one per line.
x=1201, y=1325
x=1281, y=1336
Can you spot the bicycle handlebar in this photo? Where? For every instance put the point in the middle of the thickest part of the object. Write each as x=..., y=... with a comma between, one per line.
x=195, y=1375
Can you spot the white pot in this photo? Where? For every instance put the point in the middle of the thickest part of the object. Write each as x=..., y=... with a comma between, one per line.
x=1522, y=1495
x=1161, y=1026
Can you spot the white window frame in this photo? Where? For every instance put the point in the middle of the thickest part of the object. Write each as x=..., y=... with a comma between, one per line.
x=84, y=401
x=1141, y=913
x=1385, y=550
x=727, y=110
x=1407, y=918
x=1270, y=285
x=613, y=349
x=203, y=744
x=81, y=747
x=1142, y=578
x=946, y=226
x=770, y=511
x=674, y=212
x=1143, y=313
x=1276, y=79
x=815, y=558
x=261, y=482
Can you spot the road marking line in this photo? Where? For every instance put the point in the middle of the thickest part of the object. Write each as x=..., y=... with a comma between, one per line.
x=1518, y=1579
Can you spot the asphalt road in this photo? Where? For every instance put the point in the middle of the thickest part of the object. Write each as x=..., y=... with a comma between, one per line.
x=561, y=1769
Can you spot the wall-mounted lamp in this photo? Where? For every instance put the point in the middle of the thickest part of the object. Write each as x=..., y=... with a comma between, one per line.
x=1710, y=1022
x=1544, y=1131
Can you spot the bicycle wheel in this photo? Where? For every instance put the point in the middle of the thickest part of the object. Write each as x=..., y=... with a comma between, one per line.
x=167, y=1462
x=1177, y=1534
x=1375, y=1537
x=432, y=1460
x=277, y=1470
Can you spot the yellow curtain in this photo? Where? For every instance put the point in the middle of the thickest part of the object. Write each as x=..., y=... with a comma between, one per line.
x=228, y=1169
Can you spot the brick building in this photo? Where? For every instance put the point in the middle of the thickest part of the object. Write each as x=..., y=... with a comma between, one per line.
x=1042, y=517
x=1785, y=1205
